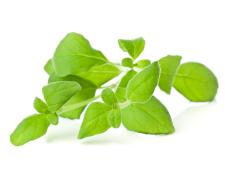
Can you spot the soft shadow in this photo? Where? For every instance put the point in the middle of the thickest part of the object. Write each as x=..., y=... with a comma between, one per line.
x=65, y=131
x=111, y=137
x=193, y=115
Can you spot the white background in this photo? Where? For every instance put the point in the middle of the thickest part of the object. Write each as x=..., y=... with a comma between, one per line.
x=199, y=30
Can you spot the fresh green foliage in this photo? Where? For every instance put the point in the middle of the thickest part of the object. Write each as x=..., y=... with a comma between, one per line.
x=150, y=117
x=143, y=63
x=40, y=106
x=128, y=62
x=57, y=94
x=169, y=66
x=95, y=120
x=29, y=129
x=108, y=96
x=196, y=82
x=77, y=72
x=133, y=47
x=87, y=91
x=141, y=87
x=121, y=89
x=114, y=117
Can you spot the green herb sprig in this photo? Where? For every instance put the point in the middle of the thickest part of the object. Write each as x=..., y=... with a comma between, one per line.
x=77, y=71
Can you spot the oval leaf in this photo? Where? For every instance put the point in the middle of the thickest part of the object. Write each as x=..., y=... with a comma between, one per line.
x=57, y=94
x=141, y=87
x=40, y=106
x=95, y=120
x=121, y=89
x=74, y=55
x=108, y=96
x=169, y=66
x=133, y=47
x=196, y=82
x=87, y=91
x=30, y=129
x=114, y=117
x=150, y=118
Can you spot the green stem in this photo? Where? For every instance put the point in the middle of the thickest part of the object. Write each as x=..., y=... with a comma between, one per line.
x=109, y=86
x=76, y=105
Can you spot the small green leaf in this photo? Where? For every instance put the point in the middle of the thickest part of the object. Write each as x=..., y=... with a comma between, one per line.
x=57, y=94
x=196, y=82
x=169, y=66
x=53, y=119
x=133, y=47
x=108, y=96
x=100, y=74
x=143, y=63
x=128, y=62
x=121, y=89
x=49, y=67
x=30, y=129
x=95, y=120
x=141, y=87
x=87, y=91
x=114, y=117
x=149, y=118
x=40, y=106
x=75, y=55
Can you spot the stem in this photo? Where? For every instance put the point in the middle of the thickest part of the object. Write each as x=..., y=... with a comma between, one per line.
x=77, y=105
x=109, y=86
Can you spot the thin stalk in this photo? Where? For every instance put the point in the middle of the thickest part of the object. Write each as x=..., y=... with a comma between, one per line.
x=76, y=105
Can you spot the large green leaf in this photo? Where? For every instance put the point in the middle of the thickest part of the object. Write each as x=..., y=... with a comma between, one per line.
x=141, y=87
x=196, y=82
x=133, y=47
x=58, y=93
x=30, y=129
x=121, y=89
x=74, y=55
x=150, y=117
x=87, y=91
x=169, y=66
x=100, y=74
x=95, y=120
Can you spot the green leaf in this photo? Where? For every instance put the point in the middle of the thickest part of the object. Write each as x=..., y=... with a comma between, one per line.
x=108, y=96
x=149, y=118
x=30, y=129
x=75, y=55
x=114, y=117
x=49, y=68
x=141, y=87
x=121, y=89
x=196, y=82
x=87, y=91
x=143, y=63
x=95, y=120
x=57, y=94
x=40, y=106
x=133, y=47
x=128, y=62
x=100, y=74
x=169, y=66
x=53, y=119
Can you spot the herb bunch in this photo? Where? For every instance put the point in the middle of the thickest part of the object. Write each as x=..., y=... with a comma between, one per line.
x=77, y=71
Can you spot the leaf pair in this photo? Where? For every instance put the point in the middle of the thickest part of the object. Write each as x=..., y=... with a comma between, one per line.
x=99, y=117
x=193, y=80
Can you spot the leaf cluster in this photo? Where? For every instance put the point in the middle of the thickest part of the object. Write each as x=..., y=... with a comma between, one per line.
x=77, y=70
